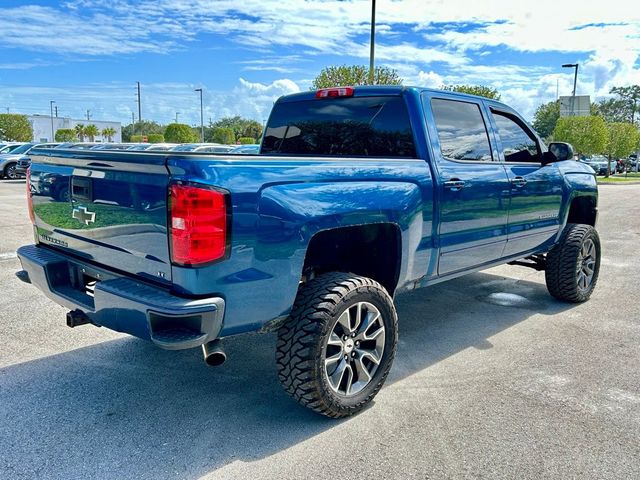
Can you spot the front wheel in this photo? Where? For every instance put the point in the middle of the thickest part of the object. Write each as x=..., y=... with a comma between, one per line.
x=10, y=171
x=335, y=350
x=573, y=264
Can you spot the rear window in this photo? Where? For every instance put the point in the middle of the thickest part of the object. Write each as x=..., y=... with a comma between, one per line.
x=360, y=126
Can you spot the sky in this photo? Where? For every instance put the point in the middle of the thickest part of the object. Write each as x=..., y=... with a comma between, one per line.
x=244, y=54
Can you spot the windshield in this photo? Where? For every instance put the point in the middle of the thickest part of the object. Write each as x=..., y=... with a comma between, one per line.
x=22, y=148
x=356, y=126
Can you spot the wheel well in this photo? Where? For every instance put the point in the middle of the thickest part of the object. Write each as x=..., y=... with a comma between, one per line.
x=583, y=210
x=369, y=250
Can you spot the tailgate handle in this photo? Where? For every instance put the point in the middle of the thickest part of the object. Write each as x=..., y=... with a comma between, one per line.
x=81, y=188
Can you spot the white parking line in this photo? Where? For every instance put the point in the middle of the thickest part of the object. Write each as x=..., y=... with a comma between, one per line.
x=8, y=255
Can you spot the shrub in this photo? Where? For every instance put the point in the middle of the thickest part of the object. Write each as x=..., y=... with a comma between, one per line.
x=66, y=135
x=246, y=140
x=136, y=138
x=155, y=138
x=180, y=133
x=223, y=135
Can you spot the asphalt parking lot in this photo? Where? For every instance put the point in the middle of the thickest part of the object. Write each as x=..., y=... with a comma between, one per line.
x=493, y=379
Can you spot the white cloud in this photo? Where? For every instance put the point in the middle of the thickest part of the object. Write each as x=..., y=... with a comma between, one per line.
x=430, y=79
x=160, y=101
x=427, y=41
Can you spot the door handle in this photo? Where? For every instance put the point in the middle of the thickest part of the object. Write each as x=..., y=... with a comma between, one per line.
x=454, y=184
x=518, y=182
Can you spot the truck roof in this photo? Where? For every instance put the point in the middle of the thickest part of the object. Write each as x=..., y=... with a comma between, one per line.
x=381, y=90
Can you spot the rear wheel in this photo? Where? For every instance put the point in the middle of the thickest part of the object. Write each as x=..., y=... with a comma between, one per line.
x=336, y=348
x=573, y=264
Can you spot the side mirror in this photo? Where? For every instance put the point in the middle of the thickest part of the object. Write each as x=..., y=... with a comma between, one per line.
x=561, y=151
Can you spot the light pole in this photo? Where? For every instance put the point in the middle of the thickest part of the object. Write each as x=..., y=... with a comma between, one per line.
x=575, y=81
x=372, y=42
x=177, y=113
x=139, y=109
x=201, y=116
x=53, y=133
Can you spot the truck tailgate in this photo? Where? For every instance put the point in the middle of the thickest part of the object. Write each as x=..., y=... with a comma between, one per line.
x=107, y=207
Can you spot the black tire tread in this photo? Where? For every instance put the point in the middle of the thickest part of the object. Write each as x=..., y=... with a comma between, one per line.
x=560, y=272
x=297, y=348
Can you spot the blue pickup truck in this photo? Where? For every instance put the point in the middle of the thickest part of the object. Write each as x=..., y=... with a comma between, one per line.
x=357, y=195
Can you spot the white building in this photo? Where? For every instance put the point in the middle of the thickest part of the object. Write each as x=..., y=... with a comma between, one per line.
x=42, y=127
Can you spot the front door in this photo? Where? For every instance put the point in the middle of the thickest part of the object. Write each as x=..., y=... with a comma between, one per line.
x=473, y=188
x=536, y=190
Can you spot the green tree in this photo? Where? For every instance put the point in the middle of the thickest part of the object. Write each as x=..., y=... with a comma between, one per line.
x=587, y=134
x=246, y=140
x=611, y=110
x=91, y=131
x=144, y=127
x=80, y=131
x=631, y=96
x=622, y=139
x=15, y=128
x=241, y=127
x=352, y=75
x=66, y=135
x=155, y=138
x=546, y=117
x=179, y=133
x=108, y=133
x=223, y=135
x=479, y=90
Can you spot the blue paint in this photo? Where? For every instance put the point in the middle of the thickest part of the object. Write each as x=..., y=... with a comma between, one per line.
x=279, y=203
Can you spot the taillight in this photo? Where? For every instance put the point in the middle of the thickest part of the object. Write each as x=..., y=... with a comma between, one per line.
x=334, y=92
x=198, y=224
x=29, y=197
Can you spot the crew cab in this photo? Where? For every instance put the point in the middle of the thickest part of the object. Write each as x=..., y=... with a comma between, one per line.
x=357, y=195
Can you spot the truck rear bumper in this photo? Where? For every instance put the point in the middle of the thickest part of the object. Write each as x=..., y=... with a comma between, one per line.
x=120, y=303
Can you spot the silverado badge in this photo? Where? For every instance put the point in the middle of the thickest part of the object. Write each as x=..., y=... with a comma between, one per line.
x=83, y=215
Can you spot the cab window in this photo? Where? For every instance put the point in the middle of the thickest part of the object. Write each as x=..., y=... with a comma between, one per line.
x=461, y=130
x=518, y=144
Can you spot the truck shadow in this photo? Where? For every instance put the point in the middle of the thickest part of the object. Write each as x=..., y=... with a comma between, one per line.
x=126, y=407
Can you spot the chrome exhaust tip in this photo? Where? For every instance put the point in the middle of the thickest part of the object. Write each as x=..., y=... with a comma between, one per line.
x=213, y=352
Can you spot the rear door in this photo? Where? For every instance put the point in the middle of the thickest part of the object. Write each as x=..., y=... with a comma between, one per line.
x=536, y=190
x=109, y=208
x=473, y=187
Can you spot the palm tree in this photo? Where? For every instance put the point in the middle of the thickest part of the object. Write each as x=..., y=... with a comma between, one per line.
x=80, y=131
x=108, y=132
x=91, y=131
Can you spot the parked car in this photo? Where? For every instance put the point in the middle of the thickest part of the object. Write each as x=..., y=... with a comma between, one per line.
x=214, y=148
x=599, y=164
x=9, y=161
x=78, y=145
x=23, y=163
x=112, y=146
x=359, y=194
x=9, y=147
x=190, y=147
x=144, y=147
x=250, y=149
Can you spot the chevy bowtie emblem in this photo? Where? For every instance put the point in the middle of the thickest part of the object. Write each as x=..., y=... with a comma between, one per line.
x=81, y=214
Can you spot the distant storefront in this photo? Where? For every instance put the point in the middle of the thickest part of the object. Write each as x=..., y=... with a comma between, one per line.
x=42, y=127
